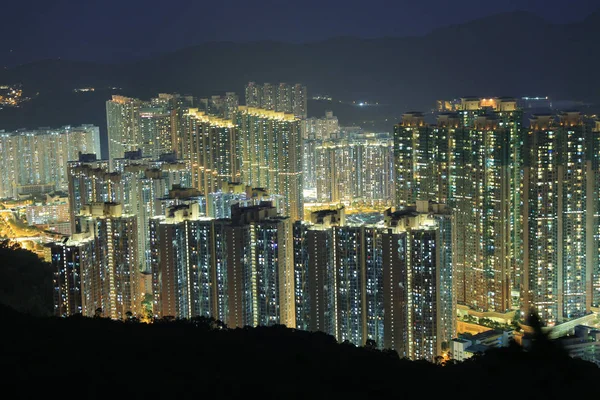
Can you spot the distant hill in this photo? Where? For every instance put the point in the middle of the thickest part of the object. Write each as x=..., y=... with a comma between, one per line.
x=512, y=54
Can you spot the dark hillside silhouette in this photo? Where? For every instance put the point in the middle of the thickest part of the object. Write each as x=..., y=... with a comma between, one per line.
x=99, y=358
x=25, y=281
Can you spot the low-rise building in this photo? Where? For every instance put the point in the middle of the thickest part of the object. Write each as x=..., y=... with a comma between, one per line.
x=466, y=346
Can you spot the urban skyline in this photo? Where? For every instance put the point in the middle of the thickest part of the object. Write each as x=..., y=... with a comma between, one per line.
x=205, y=171
x=284, y=195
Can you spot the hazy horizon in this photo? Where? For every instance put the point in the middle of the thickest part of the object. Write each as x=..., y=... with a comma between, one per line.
x=96, y=33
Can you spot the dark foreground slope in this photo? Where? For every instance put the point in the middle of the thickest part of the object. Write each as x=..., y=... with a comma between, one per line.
x=98, y=358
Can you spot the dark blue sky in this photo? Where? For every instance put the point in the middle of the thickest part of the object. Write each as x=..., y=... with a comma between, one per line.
x=117, y=30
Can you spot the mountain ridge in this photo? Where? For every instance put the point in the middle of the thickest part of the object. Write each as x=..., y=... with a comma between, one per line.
x=349, y=67
x=509, y=54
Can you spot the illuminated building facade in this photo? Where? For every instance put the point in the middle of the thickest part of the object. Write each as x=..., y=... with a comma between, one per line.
x=224, y=106
x=35, y=161
x=157, y=125
x=338, y=278
x=220, y=202
x=359, y=298
x=52, y=213
x=419, y=300
x=299, y=101
x=211, y=145
x=286, y=98
x=472, y=161
x=172, y=170
x=70, y=258
x=314, y=270
x=391, y=283
x=269, y=295
x=180, y=105
x=314, y=132
x=417, y=147
x=560, y=216
x=309, y=165
x=122, y=121
x=321, y=128
x=111, y=283
x=486, y=184
x=253, y=95
x=238, y=270
x=355, y=170
x=182, y=263
x=145, y=183
x=151, y=126
x=271, y=150
x=89, y=182
x=179, y=195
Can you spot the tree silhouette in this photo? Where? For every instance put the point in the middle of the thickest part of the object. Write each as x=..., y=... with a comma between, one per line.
x=26, y=282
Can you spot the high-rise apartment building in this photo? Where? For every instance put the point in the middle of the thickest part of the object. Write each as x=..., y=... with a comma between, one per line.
x=314, y=132
x=281, y=98
x=268, y=297
x=179, y=195
x=359, y=281
x=487, y=205
x=220, y=202
x=299, y=101
x=111, y=282
x=323, y=128
x=183, y=269
x=472, y=161
x=35, y=161
x=419, y=301
x=145, y=183
x=237, y=270
x=151, y=126
x=253, y=95
x=338, y=277
x=89, y=182
x=211, y=145
x=179, y=105
x=358, y=169
x=268, y=97
x=174, y=171
x=560, y=217
x=414, y=146
x=224, y=106
x=391, y=283
x=123, y=125
x=314, y=270
x=70, y=259
x=158, y=129
x=271, y=150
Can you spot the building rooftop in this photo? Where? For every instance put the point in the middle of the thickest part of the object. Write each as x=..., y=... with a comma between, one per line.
x=477, y=348
x=460, y=340
x=487, y=334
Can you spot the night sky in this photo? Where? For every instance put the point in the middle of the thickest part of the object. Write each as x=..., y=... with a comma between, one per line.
x=119, y=30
